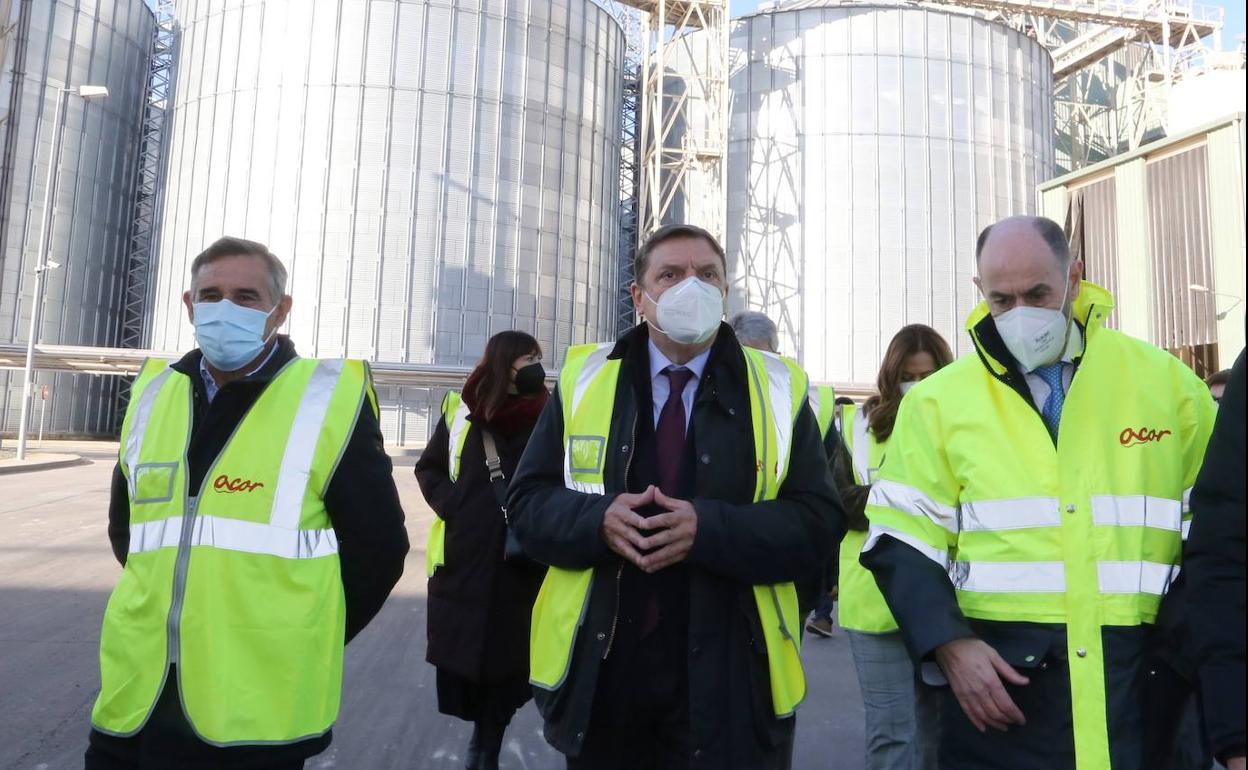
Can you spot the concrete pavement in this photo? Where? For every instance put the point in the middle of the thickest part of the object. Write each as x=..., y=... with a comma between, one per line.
x=56, y=571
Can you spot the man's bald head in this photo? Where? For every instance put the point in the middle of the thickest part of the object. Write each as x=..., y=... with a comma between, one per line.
x=1026, y=261
x=1046, y=229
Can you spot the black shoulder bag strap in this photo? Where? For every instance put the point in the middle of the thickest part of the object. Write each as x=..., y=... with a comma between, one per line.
x=511, y=547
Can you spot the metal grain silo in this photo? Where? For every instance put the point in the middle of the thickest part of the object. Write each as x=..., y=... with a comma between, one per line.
x=431, y=172
x=867, y=147
x=55, y=44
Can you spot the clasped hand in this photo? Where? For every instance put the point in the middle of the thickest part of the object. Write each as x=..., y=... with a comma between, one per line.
x=655, y=542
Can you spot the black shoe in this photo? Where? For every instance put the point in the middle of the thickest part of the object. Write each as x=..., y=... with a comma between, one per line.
x=489, y=744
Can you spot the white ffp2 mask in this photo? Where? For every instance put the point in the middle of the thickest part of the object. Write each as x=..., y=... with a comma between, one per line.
x=689, y=312
x=1036, y=336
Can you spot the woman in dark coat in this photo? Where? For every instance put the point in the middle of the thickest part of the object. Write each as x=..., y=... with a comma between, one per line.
x=480, y=604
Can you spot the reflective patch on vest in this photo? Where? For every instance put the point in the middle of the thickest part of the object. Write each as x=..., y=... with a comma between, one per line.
x=1017, y=513
x=1032, y=577
x=1137, y=511
x=586, y=453
x=153, y=482
x=1135, y=577
x=235, y=535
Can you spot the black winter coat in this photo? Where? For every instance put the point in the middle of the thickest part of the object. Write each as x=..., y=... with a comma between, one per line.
x=479, y=605
x=739, y=543
x=1214, y=564
x=363, y=506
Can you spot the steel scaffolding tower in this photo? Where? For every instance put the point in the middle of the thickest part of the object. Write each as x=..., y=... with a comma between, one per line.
x=159, y=91
x=1167, y=36
x=634, y=58
x=684, y=110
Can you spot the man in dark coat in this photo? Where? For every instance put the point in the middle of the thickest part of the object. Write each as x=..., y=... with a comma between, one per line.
x=361, y=500
x=669, y=668
x=1214, y=562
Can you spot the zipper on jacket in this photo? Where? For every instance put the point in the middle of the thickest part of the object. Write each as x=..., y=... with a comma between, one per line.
x=173, y=625
x=619, y=573
x=174, y=621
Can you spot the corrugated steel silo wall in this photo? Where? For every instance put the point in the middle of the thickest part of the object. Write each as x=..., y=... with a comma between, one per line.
x=77, y=43
x=430, y=172
x=868, y=146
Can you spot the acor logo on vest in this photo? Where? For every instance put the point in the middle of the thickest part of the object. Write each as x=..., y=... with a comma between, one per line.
x=229, y=486
x=1135, y=437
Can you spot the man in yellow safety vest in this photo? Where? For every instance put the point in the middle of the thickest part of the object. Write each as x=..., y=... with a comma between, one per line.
x=676, y=485
x=1029, y=516
x=258, y=524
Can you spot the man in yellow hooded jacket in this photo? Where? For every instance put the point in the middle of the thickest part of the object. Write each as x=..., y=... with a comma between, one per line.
x=1030, y=514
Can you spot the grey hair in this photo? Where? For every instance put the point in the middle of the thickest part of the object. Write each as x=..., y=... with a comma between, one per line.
x=1052, y=233
x=241, y=247
x=752, y=326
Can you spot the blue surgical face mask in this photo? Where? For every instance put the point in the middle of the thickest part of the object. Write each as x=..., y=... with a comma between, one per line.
x=230, y=335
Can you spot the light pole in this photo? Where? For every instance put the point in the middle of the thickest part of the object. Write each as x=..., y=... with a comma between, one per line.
x=42, y=263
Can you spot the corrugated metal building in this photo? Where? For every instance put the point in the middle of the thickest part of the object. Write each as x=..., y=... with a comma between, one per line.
x=1163, y=228
x=53, y=44
x=431, y=172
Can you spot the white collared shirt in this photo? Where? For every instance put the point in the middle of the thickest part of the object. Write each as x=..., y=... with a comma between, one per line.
x=1074, y=349
x=210, y=385
x=660, y=386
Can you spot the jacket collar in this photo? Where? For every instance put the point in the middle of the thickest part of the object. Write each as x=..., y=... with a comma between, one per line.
x=725, y=364
x=1090, y=309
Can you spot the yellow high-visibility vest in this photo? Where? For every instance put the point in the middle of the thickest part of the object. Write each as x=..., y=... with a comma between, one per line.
x=862, y=606
x=587, y=386
x=1087, y=532
x=237, y=582
x=455, y=414
x=823, y=403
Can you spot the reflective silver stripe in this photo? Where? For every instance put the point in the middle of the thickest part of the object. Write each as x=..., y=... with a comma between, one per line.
x=1038, y=577
x=862, y=448
x=152, y=535
x=296, y=468
x=780, y=396
x=455, y=436
x=938, y=555
x=235, y=535
x=594, y=363
x=588, y=487
x=1018, y=513
x=1187, y=500
x=1135, y=577
x=1187, y=528
x=1137, y=511
x=891, y=494
x=138, y=427
x=812, y=395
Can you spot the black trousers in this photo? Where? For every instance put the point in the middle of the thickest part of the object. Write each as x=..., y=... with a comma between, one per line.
x=640, y=718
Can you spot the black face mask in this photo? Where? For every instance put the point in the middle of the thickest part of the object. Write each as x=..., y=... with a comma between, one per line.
x=530, y=379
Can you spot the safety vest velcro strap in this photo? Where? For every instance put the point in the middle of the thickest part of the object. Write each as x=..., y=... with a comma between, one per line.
x=1137, y=511
x=1032, y=577
x=938, y=555
x=1018, y=513
x=1135, y=577
x=235, y=535
x=891, y=494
